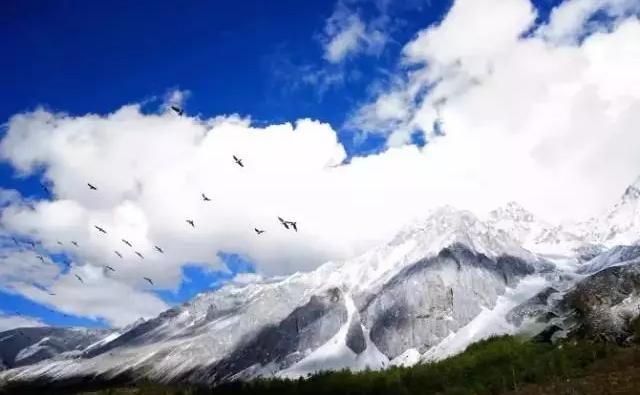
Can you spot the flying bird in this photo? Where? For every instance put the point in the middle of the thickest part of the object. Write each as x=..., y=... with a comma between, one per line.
x=92, y=187
x=126, y=242
x=41, y=258
x=44, y=187
x=118, y=254
x=79, y=278
x=59, y=242
x=238, y=161
x=178, y=110
x=205, y=198
x=190, y=222
x=139, y=254
x=100, y=229
x=259, y=231
x=293, y=225
x=158, y=249
x=149, y=280
x=110, y=268
x=51, y=293
x=75, y=243
x=31, y=243
x=284, y=223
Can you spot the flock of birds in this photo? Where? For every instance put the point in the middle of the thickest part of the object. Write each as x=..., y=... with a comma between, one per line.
x=289, y=225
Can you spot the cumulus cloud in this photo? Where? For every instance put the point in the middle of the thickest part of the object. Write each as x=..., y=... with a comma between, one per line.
x=527, y=116
x=549, y=124
x=9, y=321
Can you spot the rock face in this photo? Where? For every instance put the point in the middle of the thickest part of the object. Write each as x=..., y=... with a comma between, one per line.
x=25, y=346
x=605, y=302
x=422, y=304
x=437, y=286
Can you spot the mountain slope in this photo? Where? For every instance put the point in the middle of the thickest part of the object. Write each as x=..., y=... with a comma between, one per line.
x=440, y=284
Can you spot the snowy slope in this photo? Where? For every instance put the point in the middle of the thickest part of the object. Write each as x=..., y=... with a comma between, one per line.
x=441, y=283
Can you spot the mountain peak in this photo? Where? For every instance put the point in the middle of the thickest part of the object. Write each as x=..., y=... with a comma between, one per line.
x=512, y=211
x=633, y=191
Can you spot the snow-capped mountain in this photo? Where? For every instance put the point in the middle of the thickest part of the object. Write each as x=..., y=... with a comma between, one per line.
x=440, y=284
x=24, y=346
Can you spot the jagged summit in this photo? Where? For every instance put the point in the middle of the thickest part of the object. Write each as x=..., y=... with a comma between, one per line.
x=633, y=191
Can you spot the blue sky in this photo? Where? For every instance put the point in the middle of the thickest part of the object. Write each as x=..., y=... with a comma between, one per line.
x=243, y=57
x=263, y=60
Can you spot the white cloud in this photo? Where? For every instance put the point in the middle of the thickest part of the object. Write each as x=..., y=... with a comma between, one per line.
x=527, y=118
x=569, y=21
x=347, y=34
x=8, y=321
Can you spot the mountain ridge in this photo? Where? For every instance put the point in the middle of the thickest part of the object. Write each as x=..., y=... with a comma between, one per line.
x=440, y=284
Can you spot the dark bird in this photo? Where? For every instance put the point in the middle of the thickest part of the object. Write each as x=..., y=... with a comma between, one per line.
x=75, y=243
x=259, y=231
x=118, y=254
x=59, y=242
x=238, y=161
x=178, y=110
x=79, y=278
x=44, y=188
x=139, y=254
x=92, y=187
x=100, y=229
x=31, y=243
x=149, y=280
x=205, y=198
x=190, y=222
x=126, y=242
x=284, y=223
x=41, y=258
x=159, y=249
x=51, y=293
x=293, y=225
x=109, y=268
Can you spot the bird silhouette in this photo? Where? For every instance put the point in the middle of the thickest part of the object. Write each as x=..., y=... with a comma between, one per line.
x=92, y=187
x=41, y=258
x=178, y=110
x=100, y=229
x=158, y=249
x=205, y=198
x=190, y=222
x=44, y=187
x=259, y=231
x=284, y=223
x=51, y=293
x=31, y=243
x=139, y=254
x=79, y=278
x=126, y=242
x=75, y=243
x=238, y=161
x=110, y=268
x=293, y=225
x=118, y=254
x=149, y=280
x=59, y=242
